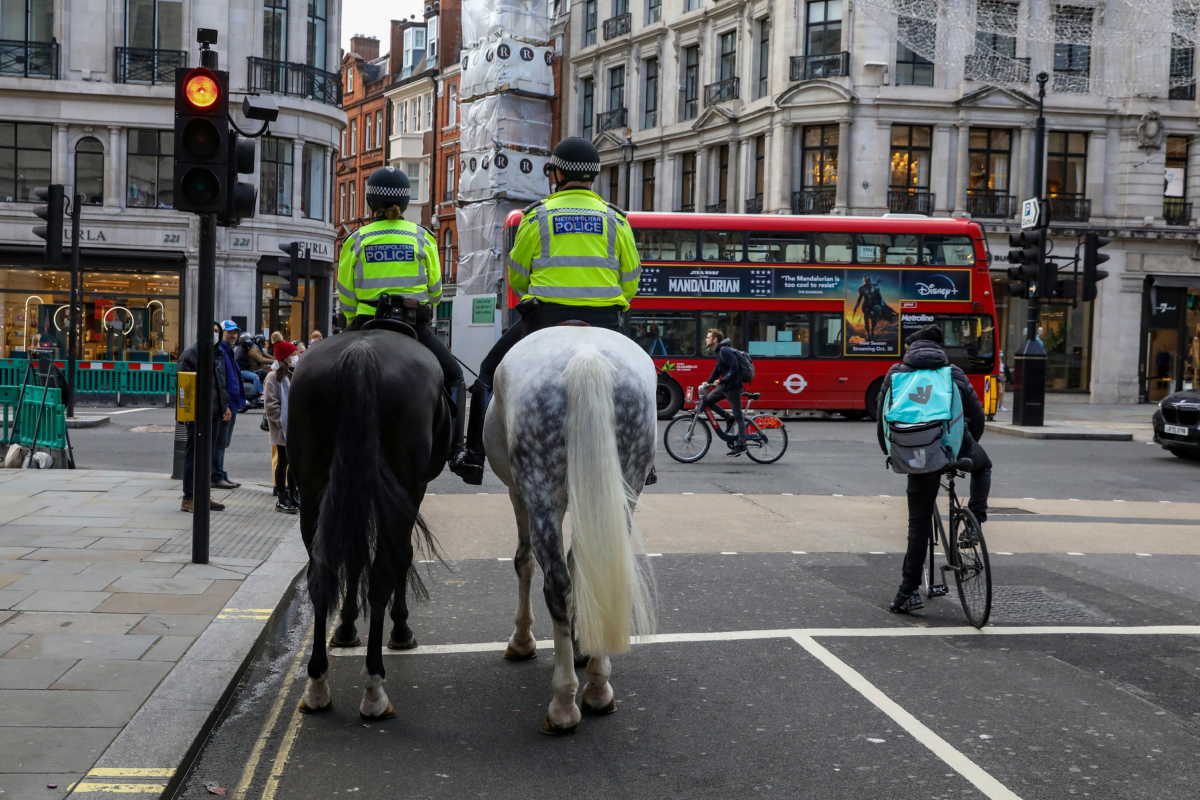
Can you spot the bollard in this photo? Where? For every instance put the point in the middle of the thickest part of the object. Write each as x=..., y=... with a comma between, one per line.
x=180, y=451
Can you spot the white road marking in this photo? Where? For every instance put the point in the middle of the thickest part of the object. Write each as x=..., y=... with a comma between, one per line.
x=1143, y=555
x=1164, y=501
x=838, y=495
x=653, y=555
x=96, y=412
x=1003, y=553
x=729, y=552
x=787, y=494
x=975, y=774
x=482, y=494
x=1076, y=554
x=1029, y=498
x=1073, y=499
x=1118, y=501
x=686, y=494
x=739, y=494
x=876, y=553
x=885, y=495
x=799, y=552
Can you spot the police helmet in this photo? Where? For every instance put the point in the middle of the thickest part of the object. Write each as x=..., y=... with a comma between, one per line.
x=387, y=186
x=577, y=159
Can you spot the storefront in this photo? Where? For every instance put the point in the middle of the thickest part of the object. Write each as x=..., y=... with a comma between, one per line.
x=132, y=306
x=1170, y=322
x=1065, y=332
x=294, y=316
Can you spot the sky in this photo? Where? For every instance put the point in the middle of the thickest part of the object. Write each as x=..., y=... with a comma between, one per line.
x=373, y=18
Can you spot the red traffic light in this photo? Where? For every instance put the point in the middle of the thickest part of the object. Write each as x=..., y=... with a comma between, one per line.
x=201, y=89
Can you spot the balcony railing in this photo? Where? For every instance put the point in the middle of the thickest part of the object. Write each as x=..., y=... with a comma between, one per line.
x=610, y=120
x=814, y=201
x=754, y=205
x=687, y=207
x=1069, y=208
x=1176, y=211
x=997, y=205
x=1185, y=91
x=29, y=59
x=911, y=201
x=989, y=67
x=722, y=91
x=806, y=68
x=617, y=26
x=718, y=207
x=146, y=65
x=298, y=80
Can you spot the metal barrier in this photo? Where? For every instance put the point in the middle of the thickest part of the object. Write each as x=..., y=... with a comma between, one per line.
x=107, y=377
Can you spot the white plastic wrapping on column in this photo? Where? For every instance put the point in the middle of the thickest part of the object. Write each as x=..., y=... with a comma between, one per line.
x=483, y=245
x=506, y=65
x=506, y=120
x=502, y=173
x=525, y=20
x=480, y=272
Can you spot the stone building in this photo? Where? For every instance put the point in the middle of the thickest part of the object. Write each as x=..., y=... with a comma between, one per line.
x=812, y=107
x=91, y=106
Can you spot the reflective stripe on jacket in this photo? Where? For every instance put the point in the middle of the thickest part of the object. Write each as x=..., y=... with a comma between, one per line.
x=389, y=256
x=574, y=249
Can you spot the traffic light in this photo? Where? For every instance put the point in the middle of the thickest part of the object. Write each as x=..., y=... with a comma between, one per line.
x=291, y=273
x=1092, y=259
x=1028, y=256
x=242, y=197
x=203, y=150
x=52, y=212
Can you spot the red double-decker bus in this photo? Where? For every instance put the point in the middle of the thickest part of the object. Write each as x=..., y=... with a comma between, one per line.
x=821, y=303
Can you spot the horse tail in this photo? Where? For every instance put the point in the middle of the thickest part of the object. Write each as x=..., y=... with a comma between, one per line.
x=365, y=513
x=610, y=592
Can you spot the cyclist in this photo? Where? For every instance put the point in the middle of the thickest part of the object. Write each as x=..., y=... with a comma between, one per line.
x=925, y=352
x=727, y=373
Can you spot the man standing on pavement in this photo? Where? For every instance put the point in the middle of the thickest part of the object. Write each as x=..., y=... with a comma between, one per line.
x=237, y=402
x=189, y=361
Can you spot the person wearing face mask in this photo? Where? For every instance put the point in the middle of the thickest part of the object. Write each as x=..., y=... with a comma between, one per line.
x=276, y=391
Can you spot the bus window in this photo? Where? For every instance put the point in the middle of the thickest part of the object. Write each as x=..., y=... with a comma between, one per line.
x=663, y=334
x=778, y=247
x=887, y=248
x=831, y=248
x=728, y=322
x=969, y=339
x=779, y=333
x=721, y=245
x=665, y=245
x=827, y=338
x=950, y=251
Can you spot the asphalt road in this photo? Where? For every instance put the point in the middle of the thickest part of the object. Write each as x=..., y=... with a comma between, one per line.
x=824, y=457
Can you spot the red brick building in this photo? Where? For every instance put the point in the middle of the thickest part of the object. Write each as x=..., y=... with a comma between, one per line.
x=445, y=162
x=365, y=76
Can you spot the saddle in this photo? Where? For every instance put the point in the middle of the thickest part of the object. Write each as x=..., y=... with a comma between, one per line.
x=399, y=314
x=572, y=323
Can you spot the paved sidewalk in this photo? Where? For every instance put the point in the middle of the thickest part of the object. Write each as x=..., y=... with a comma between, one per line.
x=115, y=650
x=1070, y=416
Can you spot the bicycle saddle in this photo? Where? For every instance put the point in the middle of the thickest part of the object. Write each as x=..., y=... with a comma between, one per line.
x=751, y=395
x=394, y=325
x=964, y=465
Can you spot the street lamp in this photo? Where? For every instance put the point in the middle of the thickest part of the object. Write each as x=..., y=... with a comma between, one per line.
x=627, y=147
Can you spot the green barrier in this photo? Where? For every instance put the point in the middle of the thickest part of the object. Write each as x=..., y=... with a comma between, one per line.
x=52, y=429
x=106, y=377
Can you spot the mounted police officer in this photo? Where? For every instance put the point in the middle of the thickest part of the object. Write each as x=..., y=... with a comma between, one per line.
x=574, y=259
x=390, y=261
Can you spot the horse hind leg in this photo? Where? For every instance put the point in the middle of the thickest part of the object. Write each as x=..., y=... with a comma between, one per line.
x=375, y=704
x=563, y=715
x=346, y=633
x=317, y=696
x=401, y=637
x=521, y=645
x=598, y=695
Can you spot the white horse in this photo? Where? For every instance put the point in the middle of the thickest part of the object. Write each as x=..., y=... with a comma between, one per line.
x=572, y=427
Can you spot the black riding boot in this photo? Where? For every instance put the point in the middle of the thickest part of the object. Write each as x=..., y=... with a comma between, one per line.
x=469, y=463
x=458, y=422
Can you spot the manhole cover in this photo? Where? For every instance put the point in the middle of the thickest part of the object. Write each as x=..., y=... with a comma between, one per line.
x=1035, y=605
x=1008, y=511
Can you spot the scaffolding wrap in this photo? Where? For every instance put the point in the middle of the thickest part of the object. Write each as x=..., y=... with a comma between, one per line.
x=506, y=65
x=483, y=244
x=505, y=120
x=501, y=173
x=524, y=20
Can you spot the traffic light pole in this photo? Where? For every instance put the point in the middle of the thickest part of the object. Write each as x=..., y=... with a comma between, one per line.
x=1029, y=395
x=76, y=296
x=205, y=355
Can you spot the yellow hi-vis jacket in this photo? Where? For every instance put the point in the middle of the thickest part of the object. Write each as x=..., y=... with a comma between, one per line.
x=576, y=250
x=388, y=256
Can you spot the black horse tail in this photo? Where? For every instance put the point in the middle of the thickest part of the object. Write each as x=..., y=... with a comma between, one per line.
x=366, y=515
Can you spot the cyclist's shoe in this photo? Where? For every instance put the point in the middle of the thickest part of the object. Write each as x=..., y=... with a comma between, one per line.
x=905, y=602
x=468, y=465
x=737, y=449
x=652, y=477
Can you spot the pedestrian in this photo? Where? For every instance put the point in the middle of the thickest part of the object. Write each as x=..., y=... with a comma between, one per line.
x=248, y=367
x=1195, y=353
x=276, y=338
x=237, y=403
x=189, y=361
x=278, y=387
x=315, y=337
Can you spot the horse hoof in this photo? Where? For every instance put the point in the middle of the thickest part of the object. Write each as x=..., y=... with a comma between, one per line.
x=582, y=660
x=598, y=712
x=550, y=729
x=408, y=644
x=305, y=708
x=513, y=654
x=334, y=641
x=387, y=713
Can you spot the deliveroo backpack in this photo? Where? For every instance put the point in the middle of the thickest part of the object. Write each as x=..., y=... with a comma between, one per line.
x=922, y=421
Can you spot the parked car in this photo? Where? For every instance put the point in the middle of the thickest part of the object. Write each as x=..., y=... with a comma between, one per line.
x=1177, y=424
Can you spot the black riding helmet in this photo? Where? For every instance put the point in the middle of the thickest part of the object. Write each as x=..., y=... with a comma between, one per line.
x=577, y=159
x=387, y=186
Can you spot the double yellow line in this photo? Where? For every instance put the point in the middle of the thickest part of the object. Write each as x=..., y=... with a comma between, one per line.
x=124, y=780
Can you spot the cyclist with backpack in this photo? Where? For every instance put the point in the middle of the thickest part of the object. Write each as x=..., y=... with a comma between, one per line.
x=929, y=417
x=732, y=370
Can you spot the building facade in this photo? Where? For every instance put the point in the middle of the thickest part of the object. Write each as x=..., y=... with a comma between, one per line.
x=91, y=106
x=445, y=160
x=410, y=100
x=812, y=107
x=364, y=79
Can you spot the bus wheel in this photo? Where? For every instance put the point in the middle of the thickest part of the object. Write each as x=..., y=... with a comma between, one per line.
x=872, y=409
x=669, y=397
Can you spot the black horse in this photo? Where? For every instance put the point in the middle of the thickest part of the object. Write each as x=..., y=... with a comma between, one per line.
x=368, y=428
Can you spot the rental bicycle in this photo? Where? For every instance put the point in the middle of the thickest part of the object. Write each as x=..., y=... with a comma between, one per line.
x=964, y=553
x=689, y=436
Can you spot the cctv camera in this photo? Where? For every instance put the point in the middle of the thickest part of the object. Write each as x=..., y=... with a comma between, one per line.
x=260, y=107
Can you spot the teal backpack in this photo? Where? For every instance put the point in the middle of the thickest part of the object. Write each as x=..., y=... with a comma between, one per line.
x=922, y=421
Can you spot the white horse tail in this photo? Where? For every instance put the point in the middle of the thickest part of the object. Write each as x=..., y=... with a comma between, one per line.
x=610, y=594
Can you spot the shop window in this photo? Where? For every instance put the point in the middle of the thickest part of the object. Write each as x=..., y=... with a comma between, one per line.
x=779, y=334
x=150, y=169
x=89, y=171
x=663, y=334
x=24, y=160
x=275, y=177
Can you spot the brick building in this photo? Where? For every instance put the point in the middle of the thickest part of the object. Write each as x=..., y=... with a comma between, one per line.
x=445, y=162
x=365, y=76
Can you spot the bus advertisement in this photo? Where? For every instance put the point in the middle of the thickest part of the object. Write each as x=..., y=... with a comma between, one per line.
x=821, y=303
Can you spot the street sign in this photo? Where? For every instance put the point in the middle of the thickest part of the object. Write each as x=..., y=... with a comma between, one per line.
x=1029, y=214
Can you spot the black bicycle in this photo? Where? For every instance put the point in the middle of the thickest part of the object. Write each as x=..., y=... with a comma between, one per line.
x=964, y=553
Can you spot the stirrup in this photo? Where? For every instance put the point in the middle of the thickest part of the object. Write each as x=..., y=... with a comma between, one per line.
x=464, y=466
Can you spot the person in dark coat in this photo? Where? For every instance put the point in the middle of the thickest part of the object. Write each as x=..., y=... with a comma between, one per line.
x=189, y=361
x=925, y=352
x=726, y=378
x=237, y=402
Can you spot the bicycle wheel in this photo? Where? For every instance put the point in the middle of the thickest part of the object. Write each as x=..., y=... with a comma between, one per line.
x=933, y=582
x=764, y=444
x=972, y=570
x=687, y=438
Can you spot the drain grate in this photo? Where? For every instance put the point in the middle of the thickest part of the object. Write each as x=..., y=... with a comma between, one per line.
x=1007, y=511
x=249, y=527
x=1036, y=605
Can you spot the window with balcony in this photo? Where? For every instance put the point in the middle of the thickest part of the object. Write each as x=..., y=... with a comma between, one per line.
x=823, y=56
x=1183, y=54
x=726, y=87
x=908, y=187
x=153, y=42
x=687, y=182
x=313, y=179
x=27, y=46
x=1176, y=209
x=996, y=43
x=653, y=11
x=690, y=99
x=275, y=14
x=648, y=186
x=590, y=16
x=819, y=157
x=1066, y=176
x=650, y=93
x=762, y=69
x=620, y=22
x=912, y=68
x=988, y=189
x=150, y=168
x=587, y=107
x=1072, y=62
x=275, y=177
x=89, y=170
x=317, y=50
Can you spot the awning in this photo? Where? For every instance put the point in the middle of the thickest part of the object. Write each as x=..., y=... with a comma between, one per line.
x=1177, y=281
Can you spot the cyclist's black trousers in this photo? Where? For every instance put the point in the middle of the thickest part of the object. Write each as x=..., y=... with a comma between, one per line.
x=922, y=500
x=732, y=393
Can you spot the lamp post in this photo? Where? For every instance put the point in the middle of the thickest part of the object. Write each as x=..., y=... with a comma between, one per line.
x=1029, y=391
x=627, y=147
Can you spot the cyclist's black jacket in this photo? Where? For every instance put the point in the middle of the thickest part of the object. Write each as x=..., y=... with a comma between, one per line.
x=727, y=371
x=924, y=354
